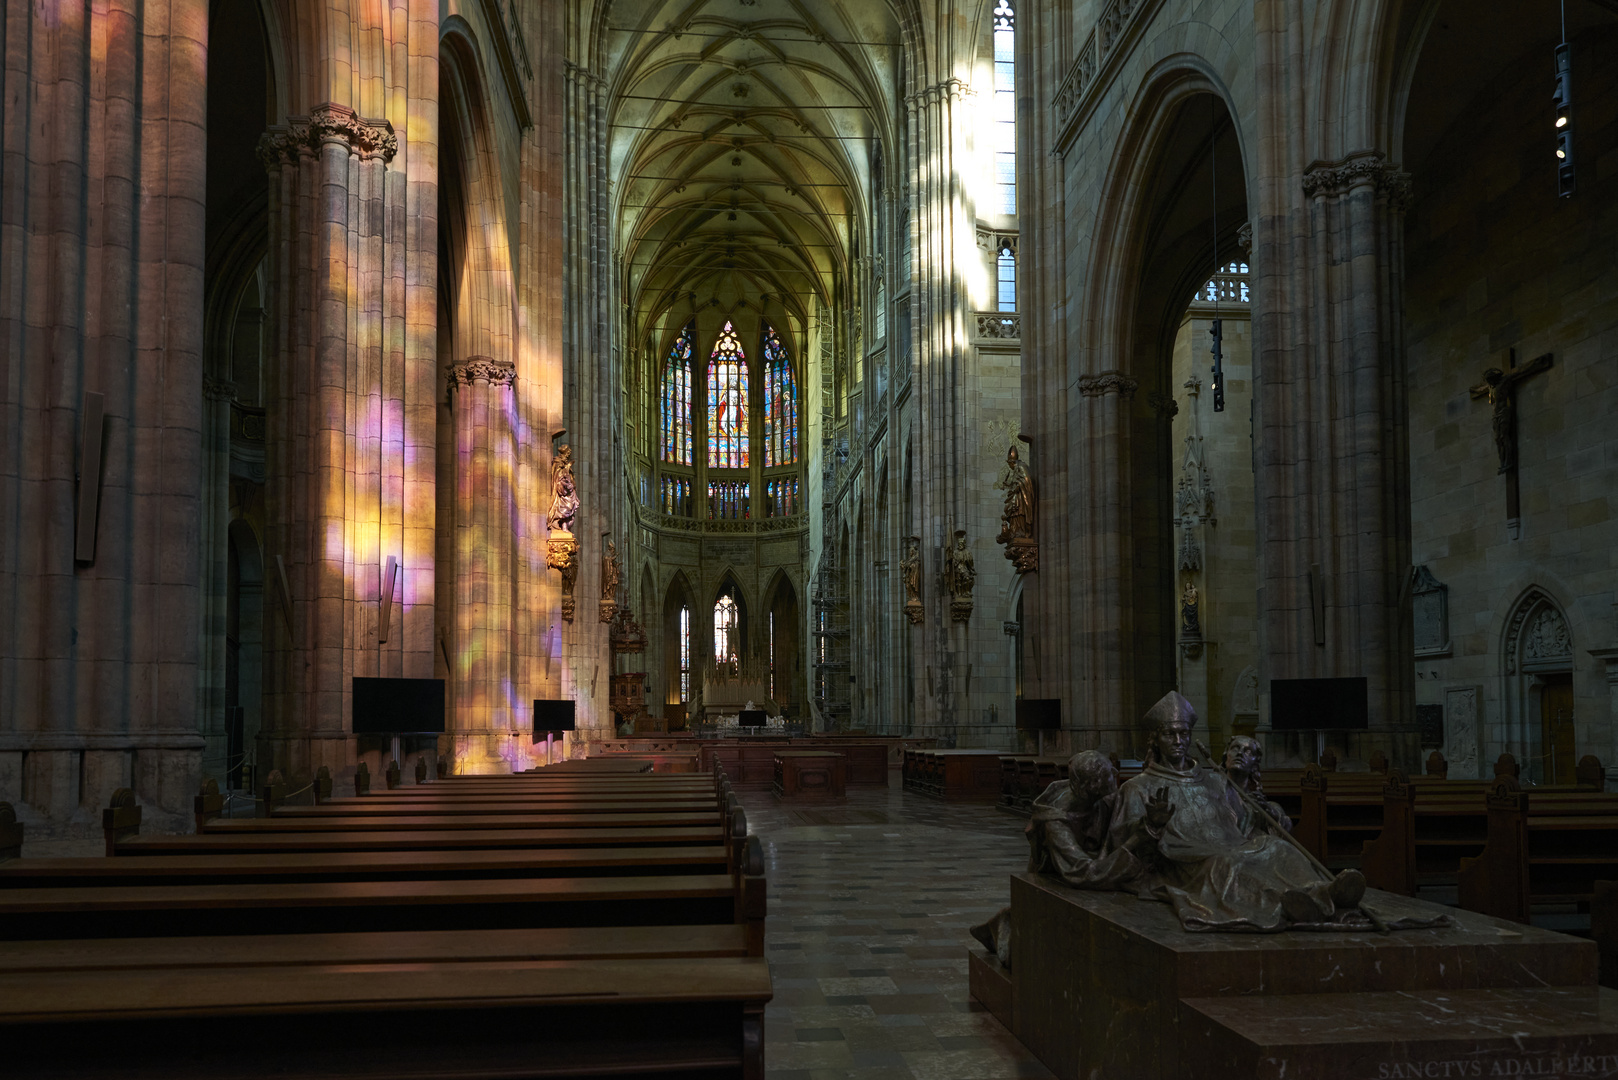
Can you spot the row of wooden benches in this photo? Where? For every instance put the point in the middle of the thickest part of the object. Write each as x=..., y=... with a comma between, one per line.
x=573, y=920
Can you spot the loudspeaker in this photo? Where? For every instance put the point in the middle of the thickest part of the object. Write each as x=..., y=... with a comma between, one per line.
x=398, y=706
x=553, y=714
x=1319, y=704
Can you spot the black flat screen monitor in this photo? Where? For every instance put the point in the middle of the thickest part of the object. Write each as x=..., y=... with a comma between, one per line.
x=752, y=718
x=1039, y=714
x=1319, y=704
x=553, y=714
x=398, y=706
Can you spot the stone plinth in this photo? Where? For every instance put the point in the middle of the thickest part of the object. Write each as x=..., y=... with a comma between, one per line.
x=1108, y=985
x=810, y=774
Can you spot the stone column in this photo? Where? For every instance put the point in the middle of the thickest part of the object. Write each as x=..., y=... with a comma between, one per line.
x=1332, y=449
x=943, y=224
x=1104, y=696
x=348, y=413
x=101, y=271
x=486, y=714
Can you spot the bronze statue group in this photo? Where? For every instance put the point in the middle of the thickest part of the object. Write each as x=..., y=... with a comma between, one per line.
x=1196, y=835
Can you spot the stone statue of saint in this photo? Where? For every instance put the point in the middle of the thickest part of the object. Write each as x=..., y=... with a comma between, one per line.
x=1190, y=619
x=1017, y=518
x=910, y=569
x=565, y=498
x=960, y=570
x=611, y=575
x=1208, y=854
x=1244, y=758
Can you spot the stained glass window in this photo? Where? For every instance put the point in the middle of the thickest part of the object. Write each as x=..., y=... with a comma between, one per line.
x=1006, y=278
x=781, y=497
x=1005, y=107
x=675, y=403
x=728, y=500
x=676, y=496
x=780, y=403
x=727, y=402
x=724, y=630
x=685, y=654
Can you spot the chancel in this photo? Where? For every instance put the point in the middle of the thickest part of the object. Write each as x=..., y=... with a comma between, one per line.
x=1097, y=642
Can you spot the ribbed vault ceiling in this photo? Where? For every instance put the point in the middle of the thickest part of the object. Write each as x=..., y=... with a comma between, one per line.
x=741, y=139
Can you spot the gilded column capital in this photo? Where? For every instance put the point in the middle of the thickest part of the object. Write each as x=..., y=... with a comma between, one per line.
x=482, y=369
x=1108, y=382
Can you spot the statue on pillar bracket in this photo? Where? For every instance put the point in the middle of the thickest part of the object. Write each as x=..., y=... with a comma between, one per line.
x=611, y=575
x=562, y=550
x=1017, y=517
x=910, y=571
x=960, y=573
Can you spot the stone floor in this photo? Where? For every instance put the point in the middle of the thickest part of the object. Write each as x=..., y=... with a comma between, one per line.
x=866, y=934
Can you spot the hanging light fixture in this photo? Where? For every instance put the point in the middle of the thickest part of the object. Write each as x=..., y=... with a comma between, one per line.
x=1563, y=98
x=1217, y=330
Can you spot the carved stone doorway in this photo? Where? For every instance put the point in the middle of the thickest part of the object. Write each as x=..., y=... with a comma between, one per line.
x=1538, y=692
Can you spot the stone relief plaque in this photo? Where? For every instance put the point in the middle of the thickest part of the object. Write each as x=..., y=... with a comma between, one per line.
x=1430, y=612
x=1461, y=734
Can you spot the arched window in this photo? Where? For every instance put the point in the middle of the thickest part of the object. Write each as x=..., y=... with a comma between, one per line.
x=726, y=630
x=1005, y=265
x=780, y=403
x=685, y=653
x=1005, y=107
x=676, y=400
x=1228, y=285
x=727, y=402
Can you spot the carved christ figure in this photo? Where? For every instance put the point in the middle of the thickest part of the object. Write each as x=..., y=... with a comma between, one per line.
x=1017, y=518
x=565, y=499
x=1500, y=387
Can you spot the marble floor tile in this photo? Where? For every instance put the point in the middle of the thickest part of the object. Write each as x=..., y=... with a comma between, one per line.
x=869, y=902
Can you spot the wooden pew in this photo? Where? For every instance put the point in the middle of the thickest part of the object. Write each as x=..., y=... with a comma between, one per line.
x=1543, y=848
x=401, y=887
x=242, y=842
x=1431, y=823
x=431, y=1020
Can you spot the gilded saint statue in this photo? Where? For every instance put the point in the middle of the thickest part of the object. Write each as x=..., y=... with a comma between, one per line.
x=565, y=498
x=1190, y=618
x=1017, y=516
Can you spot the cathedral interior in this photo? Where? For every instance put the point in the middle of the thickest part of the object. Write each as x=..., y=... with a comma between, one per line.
x=966, y=375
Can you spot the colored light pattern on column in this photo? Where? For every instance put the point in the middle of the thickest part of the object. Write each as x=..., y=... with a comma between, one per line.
x=780, y=403
x=676, y=400
x=727, y=402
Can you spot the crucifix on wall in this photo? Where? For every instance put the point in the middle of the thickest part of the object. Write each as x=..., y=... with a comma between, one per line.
x=1500, y=388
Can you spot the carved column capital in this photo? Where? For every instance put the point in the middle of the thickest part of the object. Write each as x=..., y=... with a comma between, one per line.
x=482, y=369
x=1329, y=179
x=367, y=138
x=1108, y=382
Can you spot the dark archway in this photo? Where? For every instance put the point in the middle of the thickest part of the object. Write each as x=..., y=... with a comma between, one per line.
x=1194, y=204
x=783, y=645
